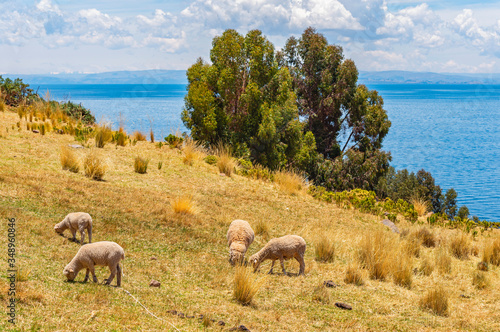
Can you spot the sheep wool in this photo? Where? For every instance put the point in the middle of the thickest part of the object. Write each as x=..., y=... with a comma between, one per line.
x=80, y=221
x=105, y=253
x=239, y=237
x=282, y=248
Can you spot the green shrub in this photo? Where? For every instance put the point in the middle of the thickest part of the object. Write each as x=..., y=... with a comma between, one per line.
x=211, y=159
x=174, y=141
x=141, y=165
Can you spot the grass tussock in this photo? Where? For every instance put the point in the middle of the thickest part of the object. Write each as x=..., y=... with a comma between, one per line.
x=460, y=246
x=225, y=163
x=426, y=237
x=353, y=275
x=183, y=205
x=138, y=136
x=261, y=228
x=374, y=254
x=69, y=160
x=480, y=280
x=94, y=167
x=421, y=206
x=103, y=135
x=121, y=137
x=436, y=301
x=321, y=294
x=426, y=266
x=324, y=250
x=22, y=274
x=402, y=269
x=245, y=285
x=290, y=182
x=141, y=165
x=491, y=252
x=191, y=151
x=443, y=261
x=411, y=245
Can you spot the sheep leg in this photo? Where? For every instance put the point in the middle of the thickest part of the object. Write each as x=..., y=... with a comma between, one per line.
x=272, y=266
x=300, y=259
x=282, y=265
x=82, y=233
x=112, y=275
x=73, y=231
x=91, y=268
x=118, y=275
x=86, y=276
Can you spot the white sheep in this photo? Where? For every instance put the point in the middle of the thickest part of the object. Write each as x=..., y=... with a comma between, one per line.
x=282, y=248
x=239, y=237
x=76, y=221
x=103, y=253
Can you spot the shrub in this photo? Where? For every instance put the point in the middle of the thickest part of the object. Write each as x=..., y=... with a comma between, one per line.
x=324, y=250
x=69, y=160
x=226, y=163
x=290, y=181
x=491, y=252
x=141, y=165
x=103, y=135
x=374, y=254
x=174, y=141
x=94, y=167
x=443, y=261
x=402, y=270
x=246, y=285
x=211, y=159
x=183, y=205
x=120, y=137
x=321, y=294
x=426, y=266
x=460, y=246
x=480, y=280
x=138, y=136
x=353, y=276
x=436, y=301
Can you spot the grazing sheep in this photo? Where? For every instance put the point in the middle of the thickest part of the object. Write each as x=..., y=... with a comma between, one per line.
x=76, y=221
x=285, y=247
x=103, y=253
x=239, y=237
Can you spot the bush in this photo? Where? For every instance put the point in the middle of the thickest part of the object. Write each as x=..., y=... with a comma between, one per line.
x=460, y=246
x=436, y=300
x=211, y=159
x=353, y=276
x=375, y=254
x=491, y=252
x=69, y=160
x=324, y=250
x=141, y=165
x=183, y=205
x=103, y=135
x=120, y=137
x=245, y=285
x=94, y=167
x=174, y=141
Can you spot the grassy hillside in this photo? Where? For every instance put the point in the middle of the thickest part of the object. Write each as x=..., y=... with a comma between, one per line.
x=188, y=253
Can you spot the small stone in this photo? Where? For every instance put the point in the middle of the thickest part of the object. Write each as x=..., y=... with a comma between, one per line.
x=221, y=323
x=181, y=315
x=36, y=131
x=483, y=266
x=222, y=174
x=464, y=296
x=154, y=283
x=75, y=146
x=330, y=284
x=243, y=328
x=391, y=225
x=343, y=306
x=153, y=258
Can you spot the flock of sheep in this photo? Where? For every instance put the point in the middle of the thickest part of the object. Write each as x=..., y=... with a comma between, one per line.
x=239, y=237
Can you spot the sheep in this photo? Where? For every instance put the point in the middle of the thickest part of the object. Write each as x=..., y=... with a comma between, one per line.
x=76, y=221
x=239, y=237
x=282, y=248
x=105, y=253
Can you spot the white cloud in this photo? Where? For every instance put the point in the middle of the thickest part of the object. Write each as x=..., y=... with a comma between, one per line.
x=487, y=39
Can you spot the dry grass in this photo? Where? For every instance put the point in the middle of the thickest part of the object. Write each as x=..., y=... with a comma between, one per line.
x=491, y=252
x=375, y=254
x=245, y=285
x=420, y=205
x=436, y=301
x=121, y=137
x=141, y=165
x=324, y=250
x=426, y=237
x=353, y=275
x=225, y=163
x=460, y=245
x=103, y=135
x=443, y=261
x=138, y=136
x=69, y=160
x=183, y=205
x=191, y=151
x=402, y=269
x=321, y=294
x=290, y=182
x=426, y=266
x=411, y=245
x=480, y=280
x=94, y=167
x=261, y=228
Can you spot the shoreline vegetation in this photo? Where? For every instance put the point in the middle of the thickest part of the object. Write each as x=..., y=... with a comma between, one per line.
x=168, y=202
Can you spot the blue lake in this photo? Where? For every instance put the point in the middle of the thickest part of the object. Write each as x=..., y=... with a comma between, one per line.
x=450, y=130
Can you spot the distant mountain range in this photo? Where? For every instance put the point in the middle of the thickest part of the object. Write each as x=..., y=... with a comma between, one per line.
x=179, y=77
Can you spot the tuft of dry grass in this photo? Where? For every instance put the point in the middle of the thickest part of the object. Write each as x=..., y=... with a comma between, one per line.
x=402, y=269
x=426, y=237
x=290, y=182
x=69, y=160
x=420, y=205
x=261, y=228
x=324, y=250
x=411, y=245
x=491, y=252
x=480, y=280
x=103, y=135
x=443, y=261
x=94, y=167
x=141, y=165
x=22, y=274
x=121, y=137
x=460, y=245
x=191, y=151
x=426, y=266
x=151, y=135
x=138, y=136
x=374, y=254
x=353, y=275
x=183, y=205
x=225, y=163
x=436, y=301
x=321, y=294
x=246, y=285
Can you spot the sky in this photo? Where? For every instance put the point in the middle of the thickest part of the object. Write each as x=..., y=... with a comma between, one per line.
x=63, y=36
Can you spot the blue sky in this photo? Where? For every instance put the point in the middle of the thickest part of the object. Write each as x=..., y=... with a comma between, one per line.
x=55, y=36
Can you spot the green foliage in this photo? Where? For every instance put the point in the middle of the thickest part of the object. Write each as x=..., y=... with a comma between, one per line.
x=15, y=92
x=463, y=212
x=211, y=159
x=450, y=203
x=141, y=165
x=78, y=112
x=174, y=141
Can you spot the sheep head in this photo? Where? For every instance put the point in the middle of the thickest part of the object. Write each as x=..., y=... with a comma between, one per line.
x=69, y=273
x=255, y=262
x=58, y=228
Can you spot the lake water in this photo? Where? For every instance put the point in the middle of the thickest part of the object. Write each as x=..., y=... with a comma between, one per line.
x=450, y=130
